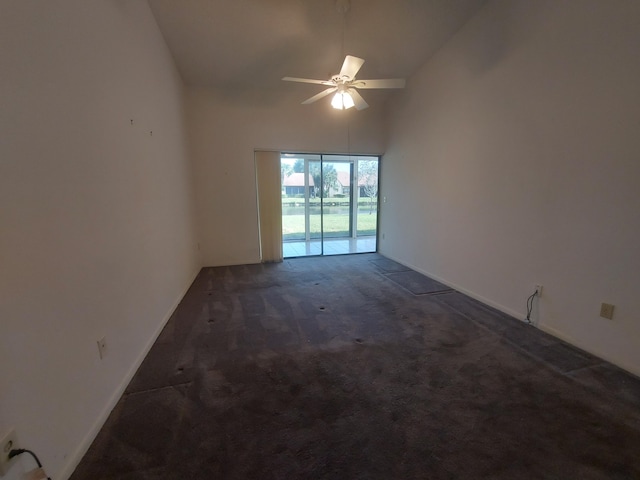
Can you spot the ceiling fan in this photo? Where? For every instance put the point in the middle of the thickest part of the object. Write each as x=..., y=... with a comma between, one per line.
x=345, y=85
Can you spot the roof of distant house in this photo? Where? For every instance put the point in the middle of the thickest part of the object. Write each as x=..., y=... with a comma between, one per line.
x=344, y=179
x=296, y=180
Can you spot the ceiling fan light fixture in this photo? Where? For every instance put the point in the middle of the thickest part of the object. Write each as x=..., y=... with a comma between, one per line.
x=345, y=86
x=342, y=101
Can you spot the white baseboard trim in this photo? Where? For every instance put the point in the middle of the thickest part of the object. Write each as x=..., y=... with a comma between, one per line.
x=565, y=338
x=469, y=293
x=521, y=316
x=75, y=458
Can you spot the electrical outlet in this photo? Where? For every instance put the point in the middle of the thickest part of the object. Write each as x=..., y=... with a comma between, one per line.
x=102, y=347
x=606, y=311
x=7, y=443
x=539, y=290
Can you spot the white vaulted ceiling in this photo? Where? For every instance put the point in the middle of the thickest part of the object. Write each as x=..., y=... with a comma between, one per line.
x=249, y=45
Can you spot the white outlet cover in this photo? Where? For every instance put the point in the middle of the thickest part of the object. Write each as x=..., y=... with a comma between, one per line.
x=102, y=347
x=7, y=443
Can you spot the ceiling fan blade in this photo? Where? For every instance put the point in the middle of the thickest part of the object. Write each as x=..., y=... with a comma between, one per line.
x=357, y=99
x=351, y=66
x=380, y=83
x=307, y=80
x=322, y=94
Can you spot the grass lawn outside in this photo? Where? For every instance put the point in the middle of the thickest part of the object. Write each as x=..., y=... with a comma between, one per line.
x=334, y=225
x=362, y=201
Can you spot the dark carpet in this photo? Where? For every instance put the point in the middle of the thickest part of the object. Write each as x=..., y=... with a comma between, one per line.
x=388, y=265
x=417, y=283
x=323, y=368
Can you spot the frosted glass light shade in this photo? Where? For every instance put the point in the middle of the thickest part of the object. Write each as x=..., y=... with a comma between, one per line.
x=342, y=100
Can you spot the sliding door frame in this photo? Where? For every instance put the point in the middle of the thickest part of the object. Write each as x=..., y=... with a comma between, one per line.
x=354, y=192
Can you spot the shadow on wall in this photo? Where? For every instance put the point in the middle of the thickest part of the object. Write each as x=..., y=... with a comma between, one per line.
x=490, y=46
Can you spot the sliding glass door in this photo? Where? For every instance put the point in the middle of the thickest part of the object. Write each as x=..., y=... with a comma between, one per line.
x=329, y=204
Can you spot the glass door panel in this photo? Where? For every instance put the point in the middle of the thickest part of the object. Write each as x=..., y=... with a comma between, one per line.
x=293, y=200
x=337, y=188
x=314, y=217
x=367, y=216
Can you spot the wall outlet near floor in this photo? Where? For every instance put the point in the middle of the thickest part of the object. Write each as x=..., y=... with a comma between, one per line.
x=102, y=347
x=7, y=443
x=539, y=290
x=606, y=311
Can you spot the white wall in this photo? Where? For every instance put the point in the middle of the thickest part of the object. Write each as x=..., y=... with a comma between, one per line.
x=514, y=159
x=225, y=131
x=96, y=214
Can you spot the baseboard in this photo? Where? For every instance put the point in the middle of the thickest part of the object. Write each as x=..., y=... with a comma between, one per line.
x=469, y=293
x=75, y=458
x=520, y=316
x=565, y=338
